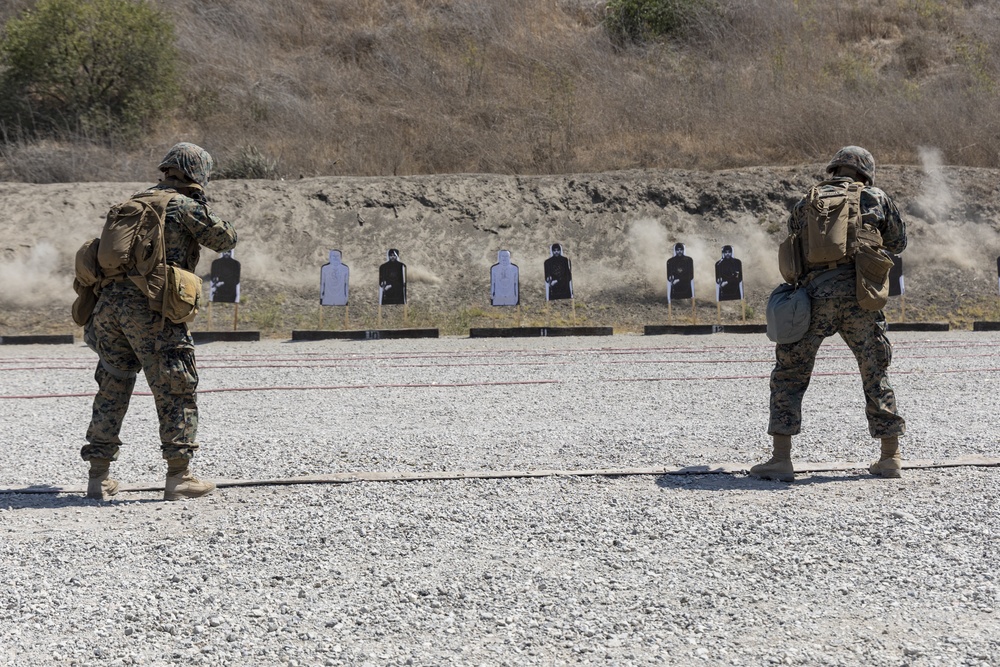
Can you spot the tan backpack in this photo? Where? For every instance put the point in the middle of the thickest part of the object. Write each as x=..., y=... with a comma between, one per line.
x=832, y=217
x=834, y=235
x=829, y=234
x=132, y=245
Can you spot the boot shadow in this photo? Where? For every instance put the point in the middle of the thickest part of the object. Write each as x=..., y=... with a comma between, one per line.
x=730, y=481
x=50, y=497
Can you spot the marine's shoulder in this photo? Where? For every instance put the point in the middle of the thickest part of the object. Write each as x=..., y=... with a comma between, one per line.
x=877, y=194
x=876, y=191
x=150, y=191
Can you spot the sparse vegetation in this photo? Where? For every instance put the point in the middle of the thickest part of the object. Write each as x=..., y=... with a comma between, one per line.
x=384, y=87
x=266, y=313
x=639, y=21
x=249, y=163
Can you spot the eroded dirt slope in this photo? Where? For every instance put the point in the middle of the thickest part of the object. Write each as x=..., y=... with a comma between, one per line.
x=617, y=228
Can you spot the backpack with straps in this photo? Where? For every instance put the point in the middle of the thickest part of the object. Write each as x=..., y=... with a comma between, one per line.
x=832, y=218
x=833, y=234
x=132, y=245
x=132, y=241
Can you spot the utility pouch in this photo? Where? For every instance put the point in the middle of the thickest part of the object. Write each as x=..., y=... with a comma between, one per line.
x=789, y=310
x=88, y=270
x=181, y=295
x=872, y=266
x=86, y=282
x=790, y=259
x=86, y=301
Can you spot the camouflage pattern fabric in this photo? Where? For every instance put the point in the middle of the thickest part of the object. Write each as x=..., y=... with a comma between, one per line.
x=129, y=336
x=857, y=158
x=189, y=224
x=864, y=333
x=192, y=160
x=835, y=309
x=128, y=339
x=877, y=211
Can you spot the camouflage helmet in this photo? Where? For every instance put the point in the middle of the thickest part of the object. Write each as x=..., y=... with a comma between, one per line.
x=856, y=158
x=192, y=160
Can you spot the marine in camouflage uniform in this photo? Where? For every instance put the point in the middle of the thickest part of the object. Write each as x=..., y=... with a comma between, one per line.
x=129, y=336
x=835, y=309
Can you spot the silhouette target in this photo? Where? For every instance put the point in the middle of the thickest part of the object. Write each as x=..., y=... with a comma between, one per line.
x=504, y=281
x=558, y=275
x=896, y=284
x=680, y=275
x=392, y=280
x=224, y=283
x=334, y=281
x=728, y=276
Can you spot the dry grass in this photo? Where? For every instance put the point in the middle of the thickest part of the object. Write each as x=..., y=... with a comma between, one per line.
x=382, y=87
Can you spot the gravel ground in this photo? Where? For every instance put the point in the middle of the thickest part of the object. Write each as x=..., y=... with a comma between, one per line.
x=837, y=568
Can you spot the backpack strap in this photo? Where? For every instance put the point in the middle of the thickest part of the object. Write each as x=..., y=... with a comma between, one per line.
x=160, y=202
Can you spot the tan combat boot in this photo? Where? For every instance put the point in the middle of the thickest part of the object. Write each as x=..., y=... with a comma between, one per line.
x=181, y=483
x=100, y=486
x=779, y=467
x=889, y=463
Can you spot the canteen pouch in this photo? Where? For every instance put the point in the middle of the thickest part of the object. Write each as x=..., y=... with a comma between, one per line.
x=872, y=266
x=181, y=295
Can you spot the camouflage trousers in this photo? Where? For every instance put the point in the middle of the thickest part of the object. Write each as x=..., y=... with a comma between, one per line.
x=864, y=333
x=127, y=336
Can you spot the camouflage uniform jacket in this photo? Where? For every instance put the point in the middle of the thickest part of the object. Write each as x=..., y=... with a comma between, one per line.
x=878, y=211
x=189, y=224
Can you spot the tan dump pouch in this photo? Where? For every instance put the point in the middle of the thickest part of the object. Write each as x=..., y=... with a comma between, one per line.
x=88, y=271
x=86, y=282
x=868, y=236
x=790, y=259
x=181, y=295
x=873, y=267
x=86, y=301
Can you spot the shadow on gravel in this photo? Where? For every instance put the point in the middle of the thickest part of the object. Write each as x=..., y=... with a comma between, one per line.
x=37, y=501
x=730, y=482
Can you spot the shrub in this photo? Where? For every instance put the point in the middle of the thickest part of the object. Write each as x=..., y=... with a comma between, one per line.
x=249, y=163
x=94, y=67
x=645, y=20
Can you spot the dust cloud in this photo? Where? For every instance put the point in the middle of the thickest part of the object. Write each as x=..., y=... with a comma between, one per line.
x=651, y=244
x=936, y=199
x=647, y=243
x=36, y=278
x=938, y=233
x=417, y=274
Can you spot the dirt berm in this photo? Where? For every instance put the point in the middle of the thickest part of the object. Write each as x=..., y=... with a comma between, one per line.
x=617, y=228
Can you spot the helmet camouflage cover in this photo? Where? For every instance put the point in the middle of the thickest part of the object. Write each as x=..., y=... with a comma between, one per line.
x=193, y=160
x=858, y=159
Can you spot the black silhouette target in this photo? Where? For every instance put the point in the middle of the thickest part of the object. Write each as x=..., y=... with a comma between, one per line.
x=680, y=275
x=224, y=281
x=392, y=280
x=728, y=276
x=558, y=275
